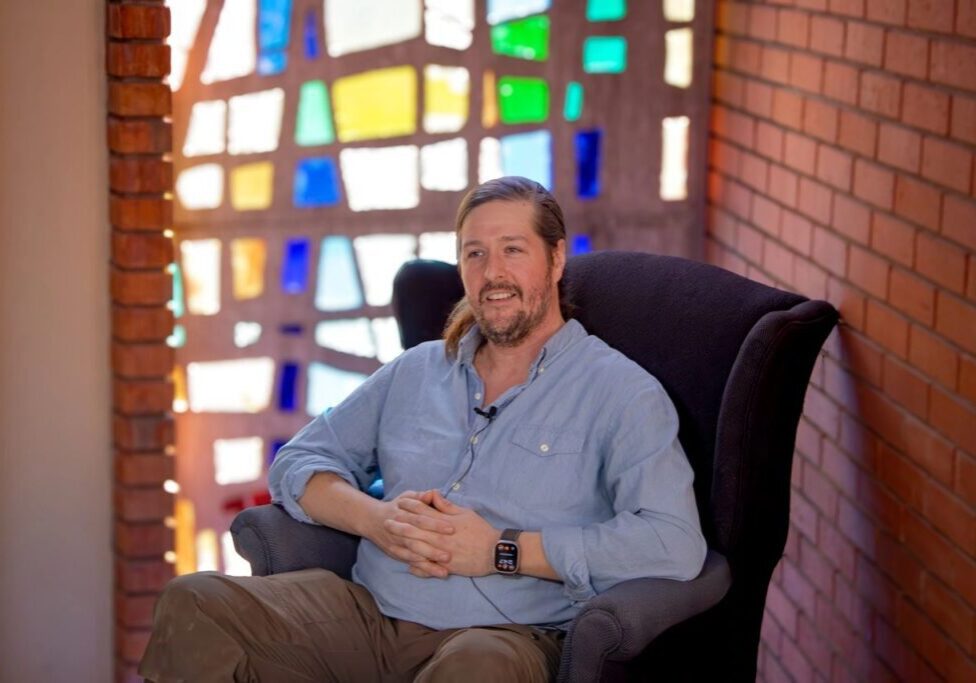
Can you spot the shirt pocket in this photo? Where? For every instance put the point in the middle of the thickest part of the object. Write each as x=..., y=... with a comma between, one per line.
x=544, y=467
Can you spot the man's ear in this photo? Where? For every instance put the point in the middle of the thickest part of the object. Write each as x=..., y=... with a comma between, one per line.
x=559, y=260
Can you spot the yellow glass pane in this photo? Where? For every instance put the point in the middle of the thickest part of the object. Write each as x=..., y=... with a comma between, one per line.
x=376, y=104
x=489, y=108
x=248, y=256
x=186, y=523
x=251, y=186
x=446, y=90
x=180, y=402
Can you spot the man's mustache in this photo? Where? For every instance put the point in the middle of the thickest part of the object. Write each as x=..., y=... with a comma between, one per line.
x=492, y=289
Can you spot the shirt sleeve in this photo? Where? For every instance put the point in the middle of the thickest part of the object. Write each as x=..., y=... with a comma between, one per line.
x=342, y=440
x=655, y=530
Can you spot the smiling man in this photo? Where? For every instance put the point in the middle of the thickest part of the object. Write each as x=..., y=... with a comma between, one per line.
x=528, y=467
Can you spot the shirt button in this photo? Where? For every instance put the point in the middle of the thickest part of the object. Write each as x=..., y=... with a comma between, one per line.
x=477, y=397
x=544, y=448
x=541, y=369
x=474, y=439
x=455, y=486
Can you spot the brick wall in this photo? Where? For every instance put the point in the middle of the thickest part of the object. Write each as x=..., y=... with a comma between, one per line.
x=140, y=173
x=841, y=166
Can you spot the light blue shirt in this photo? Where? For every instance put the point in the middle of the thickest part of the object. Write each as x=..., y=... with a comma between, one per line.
x=585, y=451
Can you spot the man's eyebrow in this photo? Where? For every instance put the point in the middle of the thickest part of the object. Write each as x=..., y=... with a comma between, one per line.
x=503, y=238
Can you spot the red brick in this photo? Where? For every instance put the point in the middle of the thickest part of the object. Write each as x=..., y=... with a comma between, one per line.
x=759, y=98
x=809, y=280
x=737, y=199
x=931, y=15
x=731, y=18
x=139, y=99
x=815, y=201
x=850, y=217
x=829, y=251
x=947, y=163
x=907, y=54
x=949, y=515
x=953, y=418
x=727, y=87
x=867, y=271
x=918, y=202
x=762, y=23
x=952, y=64
x=787, y=108
x=142, y=433
x=886, y=11
x=746, y=56
x=778, y=262
x=966, y=18
x=963, y=118
x=740, y=128
x=134, y=610
x=144, y=288
x=880, y=94
x=139, y=136
x=800, y=152
x=873, y=184
x=827, y=35
x=816, y=5
x=912, y=295
x=835, y=168
x=754, y=171
x=965, y=484
x=865, y=43
x=799, y=589
x=142, y=540
x=749, y=243
x=721, y=225
x=131, y=644
x=724, y=157
x=793, y=27
x=769, y=140
x=766, y=215
x=806, y=72
x=941, y=262
x=782, y=185
x=858, y=133
x=925, y=640
x=135, y=469
x=899, y=146
x=929, y=450
x=142, y=397
x=893, y=238
x=838, y=550
x=905, y=386
x=141, y=323
x=782, y=609
x=138, y=21
x=926, y=108
x=887, y=327
x=849, y=8
x=956, y=319
x=140, y=175
x=145, y=60
x=942, y=558
x=947, y=609
x=841, y=82
x=967, y=378
x=142, y=360
x=775, y=64
x=141, y=576
x=820, y=120
x=796, y=231
x=141, y=250
x=142, y=504
x=134, y=213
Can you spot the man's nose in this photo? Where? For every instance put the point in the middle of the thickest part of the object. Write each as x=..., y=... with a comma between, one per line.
x=494, y=266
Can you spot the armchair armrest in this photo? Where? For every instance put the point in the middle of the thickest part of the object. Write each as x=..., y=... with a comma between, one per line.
x=619, y=623
x=274, y=542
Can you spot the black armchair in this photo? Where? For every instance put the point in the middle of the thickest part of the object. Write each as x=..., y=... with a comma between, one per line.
x=735, y=357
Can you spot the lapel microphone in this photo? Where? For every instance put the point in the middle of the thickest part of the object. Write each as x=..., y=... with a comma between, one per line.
x=490, y=413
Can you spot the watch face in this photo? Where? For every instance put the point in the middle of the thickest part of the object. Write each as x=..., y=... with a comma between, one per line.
x=506, y=557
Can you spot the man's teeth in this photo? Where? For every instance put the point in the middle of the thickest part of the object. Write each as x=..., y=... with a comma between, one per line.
x=500, y=295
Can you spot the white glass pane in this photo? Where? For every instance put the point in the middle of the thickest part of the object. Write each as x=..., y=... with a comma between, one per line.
x=238, y=461
x=184, y=20
x=207, y=550
x=678, y=57
x=444, y=165
x=446, y=91
x=354, y=25
x=679, y=10
x=440, y=246
x=387, y=335
x=254, y=123
x=329, y=386
x=201, y=275
x=381, y=177
x=234, y=564
x=503, y=10
x=337, y=286
x=201, y=187
x=529, y=155
x=233, y=52
x=353, y=336
x=674, y=158
x=449, y=23
x=205, y=134
x=489, y=160
x=246, y=334
x=380, y=257
x=230, y=386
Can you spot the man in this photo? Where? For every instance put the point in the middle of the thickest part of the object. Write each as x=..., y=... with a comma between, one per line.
x=528, y=466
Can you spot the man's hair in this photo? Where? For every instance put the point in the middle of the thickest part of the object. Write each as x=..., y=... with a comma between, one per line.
x=548, y=224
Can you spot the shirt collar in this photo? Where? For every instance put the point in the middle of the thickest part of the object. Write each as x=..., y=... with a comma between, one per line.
x=565, y=336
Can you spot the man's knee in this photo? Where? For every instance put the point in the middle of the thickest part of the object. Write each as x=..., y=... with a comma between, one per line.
x=191, y=595
x=490, y=655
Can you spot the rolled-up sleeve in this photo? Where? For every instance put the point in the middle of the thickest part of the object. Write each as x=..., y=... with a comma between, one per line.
x=655, y=530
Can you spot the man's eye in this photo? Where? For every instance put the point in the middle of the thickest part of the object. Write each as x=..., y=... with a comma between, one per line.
x=472, y=254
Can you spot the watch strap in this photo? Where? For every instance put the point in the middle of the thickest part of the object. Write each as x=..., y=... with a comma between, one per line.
x=511, y=535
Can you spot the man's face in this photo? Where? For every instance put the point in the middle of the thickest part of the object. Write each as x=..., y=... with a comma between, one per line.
x=510, y=274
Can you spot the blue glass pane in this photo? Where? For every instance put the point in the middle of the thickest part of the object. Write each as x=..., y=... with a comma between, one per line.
x=289, y=382
x=588, y=163
x=337, y=288
x=276, y=445
x=292, y=329
x=329, y=386
x=294, y=269
x=581, y=245
x=274, y=23
x=311, y=34
x=271, y=63
x=316, y=183
x=529, y=155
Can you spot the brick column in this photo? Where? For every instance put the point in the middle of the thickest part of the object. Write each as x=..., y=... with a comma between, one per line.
x=140, y=173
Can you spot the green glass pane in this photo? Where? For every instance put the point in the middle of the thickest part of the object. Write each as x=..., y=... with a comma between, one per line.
x=523, y=100
x=573, y=106
x=604, y=55
x=606, y=10
x=314, y=124
x=177, y=304
x=525, y=38
x=177, y=340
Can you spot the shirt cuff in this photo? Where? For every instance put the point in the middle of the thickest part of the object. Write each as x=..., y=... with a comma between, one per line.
x=297, y=481
x=563, y=547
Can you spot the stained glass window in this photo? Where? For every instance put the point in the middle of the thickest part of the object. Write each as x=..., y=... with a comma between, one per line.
x=529, y=155
x=356, y=25
x=238, y=461
x=206, y=132
x=446, y=91
x=248, y=256
x=573, y=106
x=449, y=23
x=376, y=104
x=329, y=386
x=604, y=55
x=606, y=10
x=504, y=10
x=337, y=279
x=392, y=168
x=230, y=386
x=314, y=124
x=201, y=275
x=316, y=183
x=523, y=38
x=233, y=52
x=294, y=266
x=444, y=165
x=523, y=100
x=252, y=186
x=588, y=163
x=201, y=187
x=678, y=57
x=352, y=335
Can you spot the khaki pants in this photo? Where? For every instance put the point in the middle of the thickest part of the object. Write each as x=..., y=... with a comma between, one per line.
x=313, y=626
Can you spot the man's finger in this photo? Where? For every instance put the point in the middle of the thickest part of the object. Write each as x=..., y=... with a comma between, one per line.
x=425, y=522
x=428, y=570
x=442, y=504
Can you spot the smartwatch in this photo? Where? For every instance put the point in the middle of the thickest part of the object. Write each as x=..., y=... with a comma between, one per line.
x=507, y=552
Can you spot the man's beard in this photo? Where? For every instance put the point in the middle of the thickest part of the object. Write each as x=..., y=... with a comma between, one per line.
x=513, y=330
